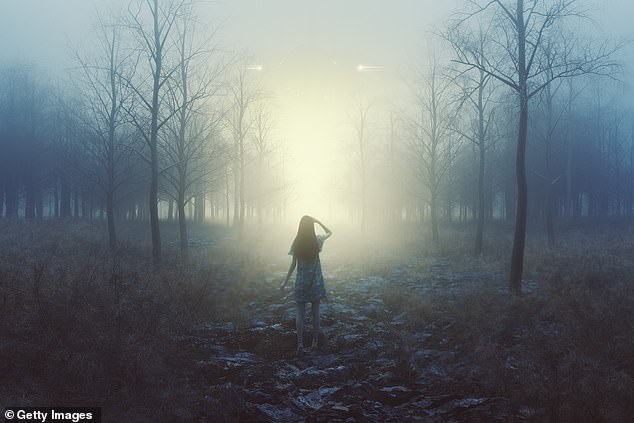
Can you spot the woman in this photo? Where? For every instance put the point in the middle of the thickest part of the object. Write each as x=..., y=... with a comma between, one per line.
x=309, y=282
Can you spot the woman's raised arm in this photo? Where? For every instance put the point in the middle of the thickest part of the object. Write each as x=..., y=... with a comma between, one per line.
x=328, y=231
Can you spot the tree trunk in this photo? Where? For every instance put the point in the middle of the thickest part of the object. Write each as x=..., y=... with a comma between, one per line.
x=260, y=193
x=550, y=227
x=434, y=221
x=242, y=169
x=482, y=151
x=227, y=195
x=236, y=195
x=112, y=235
x=75, y=204
x=29, y=208
x=11, y=197
x=630, y=196
x=569, y=200
x=153, y=200
x=84, y=206
x=363, y=199
x=182, y=222
x=517, y=255
x=55, y=201
x=200, y=208
x=480, y=228
x=170, y=210
x=39, y=203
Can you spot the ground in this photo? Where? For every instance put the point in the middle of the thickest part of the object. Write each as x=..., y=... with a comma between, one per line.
x=375, y=361
x=408, y=333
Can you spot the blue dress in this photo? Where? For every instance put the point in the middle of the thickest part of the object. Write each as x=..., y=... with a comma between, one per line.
x=309, y=280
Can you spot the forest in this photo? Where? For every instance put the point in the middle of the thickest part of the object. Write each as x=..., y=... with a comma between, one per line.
x=478, y=184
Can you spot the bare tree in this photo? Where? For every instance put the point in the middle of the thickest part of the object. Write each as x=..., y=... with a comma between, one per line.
x=360, y=122
x=190, y=142
x=392, y=180
x=432, y=139
x=262, y=134
x=546, y=132
x=65, y=134
x=24, y=145
x=243, y=93
x=478, y=91
x=105, y=95
x=14, y=78
x=154, y=42
x=516, y=59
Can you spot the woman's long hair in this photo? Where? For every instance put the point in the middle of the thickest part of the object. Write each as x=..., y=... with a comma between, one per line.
x=305, y=243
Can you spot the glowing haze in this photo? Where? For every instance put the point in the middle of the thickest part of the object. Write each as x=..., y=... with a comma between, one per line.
x=317, y=60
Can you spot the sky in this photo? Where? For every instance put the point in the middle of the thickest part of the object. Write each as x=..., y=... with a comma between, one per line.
x=363, y=29
x=309, y=52
x=360, y=30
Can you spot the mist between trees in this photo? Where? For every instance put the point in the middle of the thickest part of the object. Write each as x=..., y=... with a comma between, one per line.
x=513, y=115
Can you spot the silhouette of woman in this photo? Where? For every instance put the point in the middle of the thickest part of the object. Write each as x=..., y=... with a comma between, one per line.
x=309, y=281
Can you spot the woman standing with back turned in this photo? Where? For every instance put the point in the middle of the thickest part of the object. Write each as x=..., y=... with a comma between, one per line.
x=309, y=282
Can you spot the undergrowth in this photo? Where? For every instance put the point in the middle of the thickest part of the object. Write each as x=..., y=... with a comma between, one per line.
x=83, y=327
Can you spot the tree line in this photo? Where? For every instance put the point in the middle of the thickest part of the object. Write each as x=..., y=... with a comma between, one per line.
x=153, y=117
x=510, y=71
x=156, y=122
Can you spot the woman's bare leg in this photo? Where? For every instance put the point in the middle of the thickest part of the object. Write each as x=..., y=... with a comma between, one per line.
x=299, y=323
x=315, y=310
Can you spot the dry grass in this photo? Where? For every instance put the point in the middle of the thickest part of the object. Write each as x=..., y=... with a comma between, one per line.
x=81, y=327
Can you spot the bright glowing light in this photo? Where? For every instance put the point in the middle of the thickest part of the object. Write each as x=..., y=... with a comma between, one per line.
x=313, y=159
x=313, y=99
x=255, y=68
x=366, y=68
x=309, y=173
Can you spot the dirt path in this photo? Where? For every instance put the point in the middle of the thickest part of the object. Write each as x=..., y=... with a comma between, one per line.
x=376, y=363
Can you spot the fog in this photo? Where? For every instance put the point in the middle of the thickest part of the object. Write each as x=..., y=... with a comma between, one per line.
x=315, y=62
x=464, y=171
